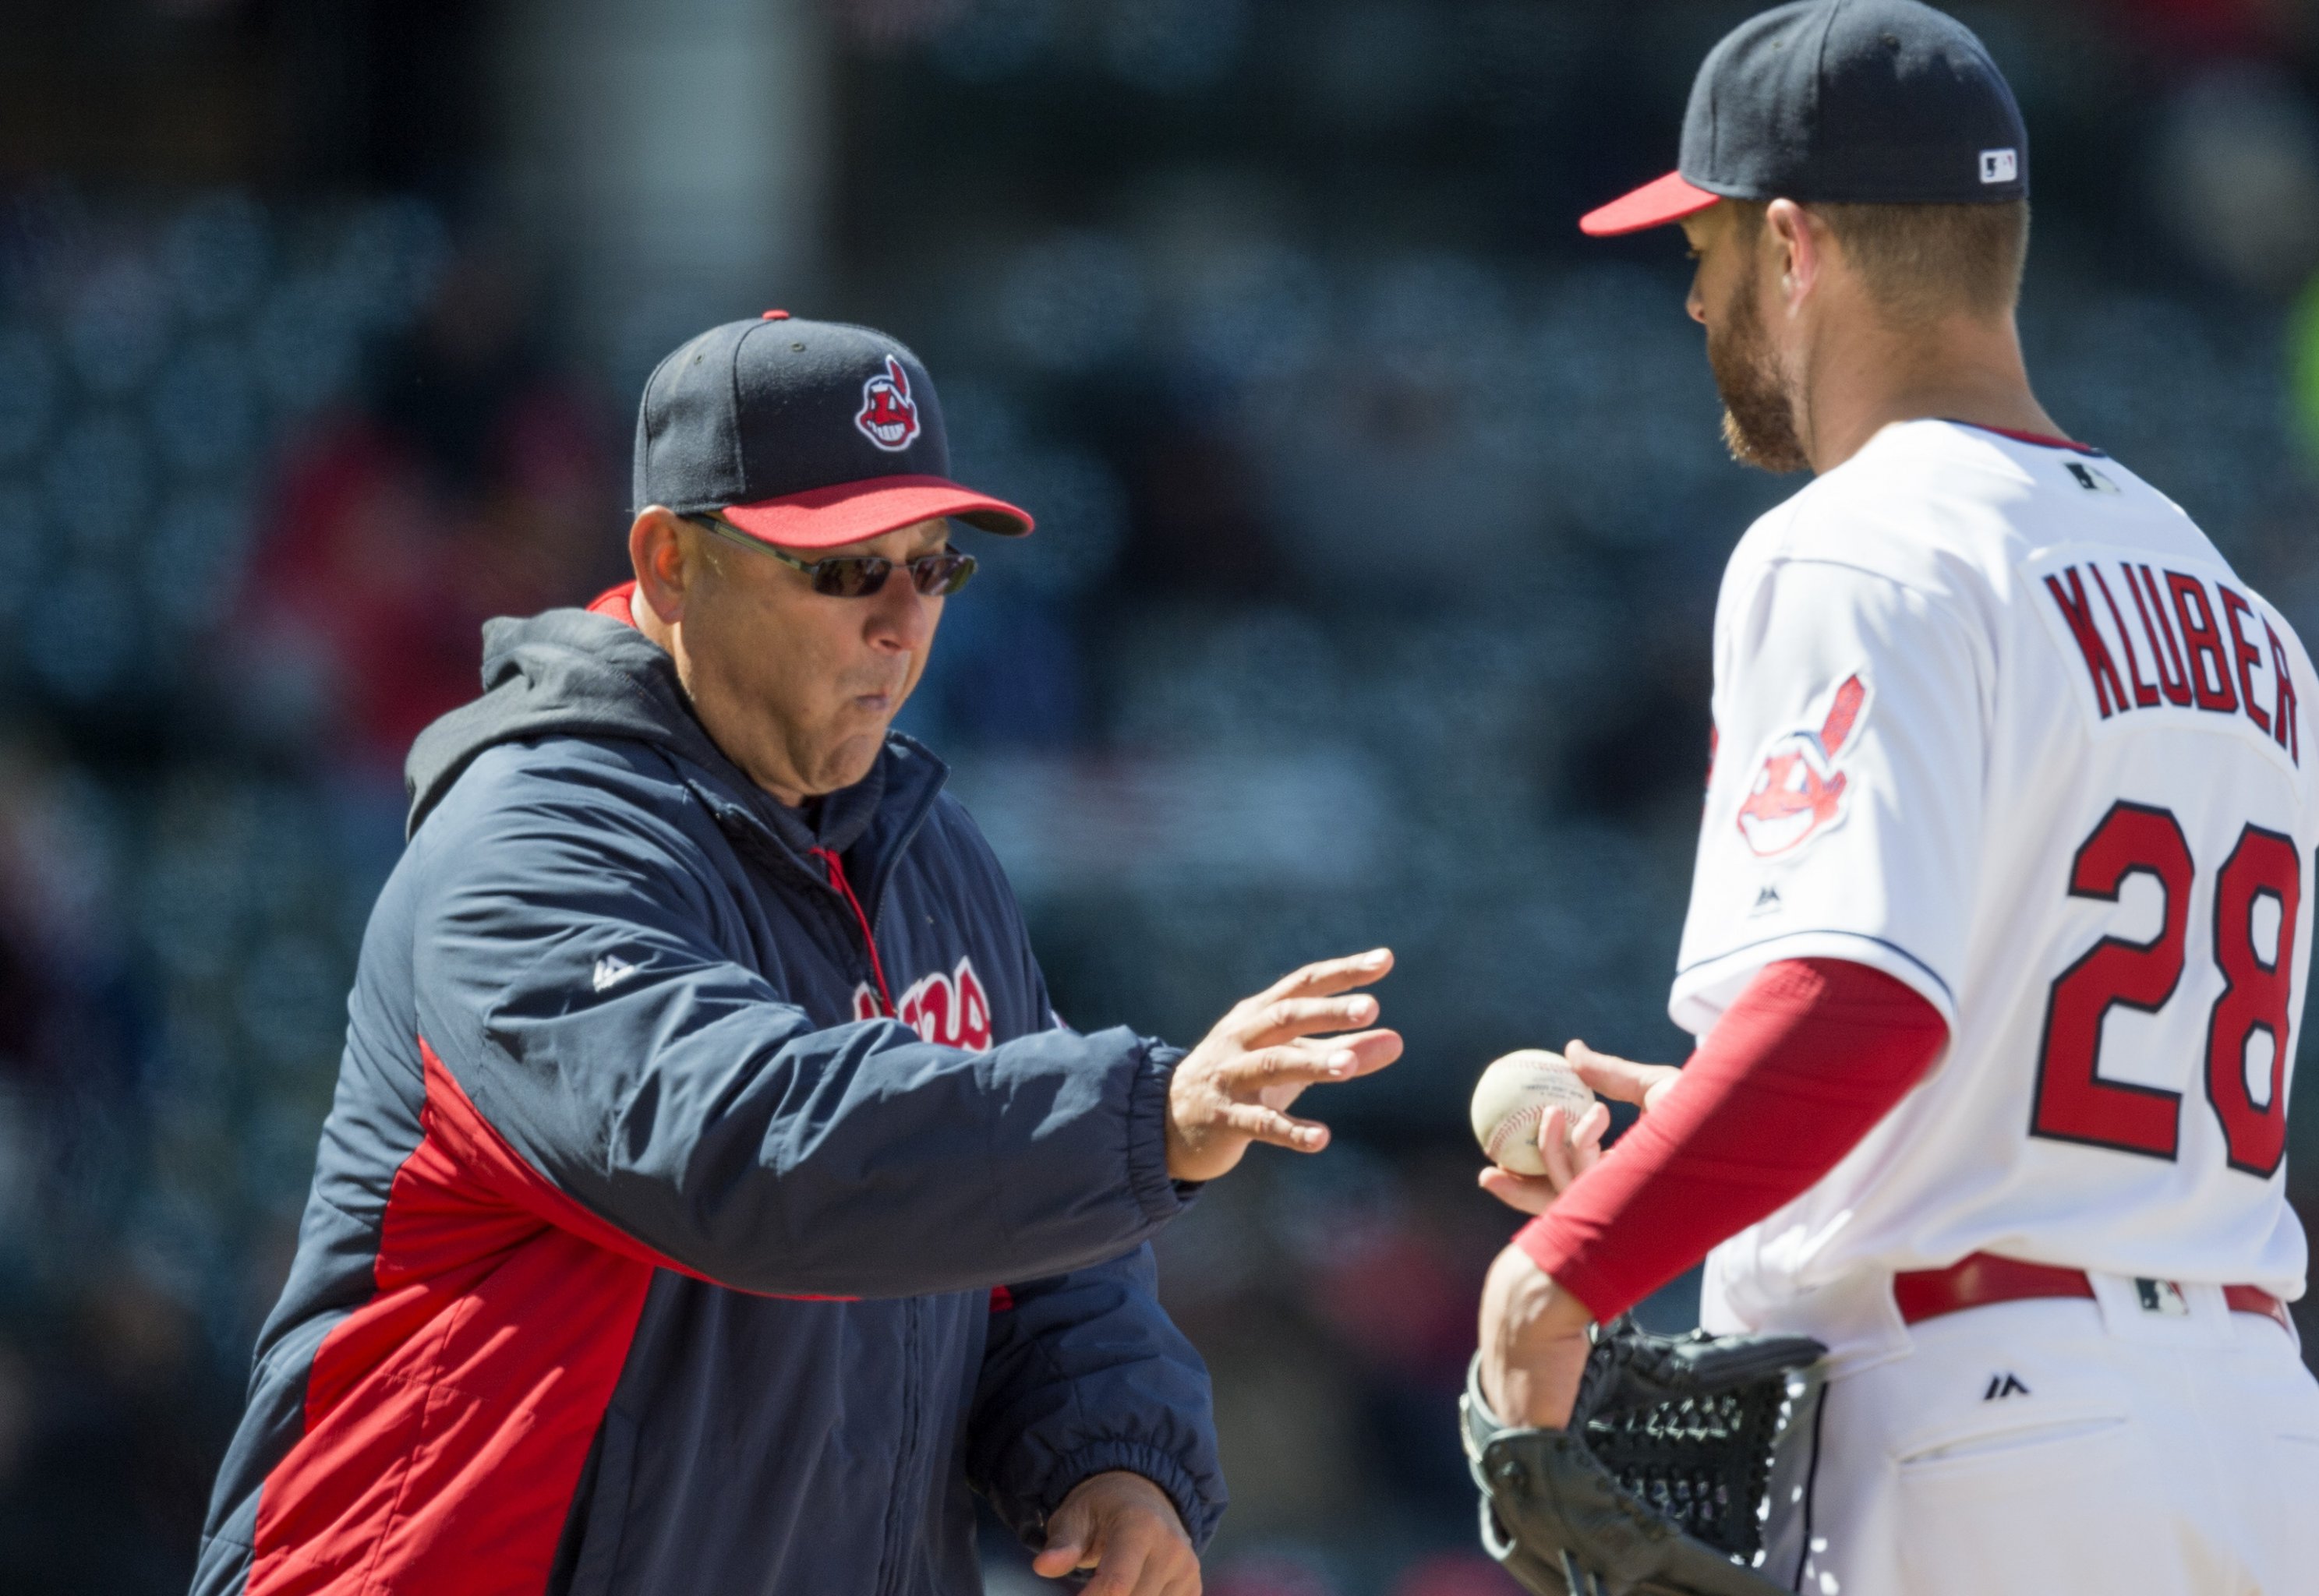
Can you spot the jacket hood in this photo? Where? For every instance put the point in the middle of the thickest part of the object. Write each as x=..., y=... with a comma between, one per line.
x=577, y=673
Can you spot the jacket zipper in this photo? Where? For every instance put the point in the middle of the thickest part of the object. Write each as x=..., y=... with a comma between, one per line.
x=906, y=1505
x=899, y=1510
x=892, y=1569
x=844, y=889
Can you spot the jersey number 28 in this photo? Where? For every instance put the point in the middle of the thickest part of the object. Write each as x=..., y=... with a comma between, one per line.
x=2074, y=1102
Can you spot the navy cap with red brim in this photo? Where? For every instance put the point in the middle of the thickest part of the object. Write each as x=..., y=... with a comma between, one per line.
x=1839, y=102
x=1655, y=204
x=855, y=512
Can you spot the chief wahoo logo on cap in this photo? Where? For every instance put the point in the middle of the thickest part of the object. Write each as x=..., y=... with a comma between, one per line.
x=889, y=416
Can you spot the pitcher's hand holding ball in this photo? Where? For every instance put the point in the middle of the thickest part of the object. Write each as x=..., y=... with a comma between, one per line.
x=1568, y=1148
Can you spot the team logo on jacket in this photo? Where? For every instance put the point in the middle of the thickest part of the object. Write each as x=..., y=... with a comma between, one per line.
x=951, y=1010
x=1798, y=791
x=889, y=416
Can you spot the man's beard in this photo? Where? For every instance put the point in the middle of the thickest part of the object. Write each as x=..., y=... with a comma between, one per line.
x=1759, y=419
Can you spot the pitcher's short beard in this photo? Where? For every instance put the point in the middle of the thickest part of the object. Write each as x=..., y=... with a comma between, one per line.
x=1759, y=419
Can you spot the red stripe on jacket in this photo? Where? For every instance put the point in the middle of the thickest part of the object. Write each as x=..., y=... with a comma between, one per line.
x=447, y=1418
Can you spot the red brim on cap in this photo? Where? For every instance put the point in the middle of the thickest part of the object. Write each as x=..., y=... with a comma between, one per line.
x=1655, y=204
x=851, y=512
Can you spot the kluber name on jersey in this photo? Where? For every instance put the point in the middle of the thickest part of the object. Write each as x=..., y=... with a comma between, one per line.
x=2209, y=651
x=1996, y=717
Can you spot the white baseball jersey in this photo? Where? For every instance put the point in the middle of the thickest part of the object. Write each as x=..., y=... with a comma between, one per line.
x=1995, y=717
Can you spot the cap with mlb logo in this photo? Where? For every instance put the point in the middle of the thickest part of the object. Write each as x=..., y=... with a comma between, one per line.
x=1839, y=102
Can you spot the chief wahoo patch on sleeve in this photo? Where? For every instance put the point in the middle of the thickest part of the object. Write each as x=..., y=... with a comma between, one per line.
x=1798, y=791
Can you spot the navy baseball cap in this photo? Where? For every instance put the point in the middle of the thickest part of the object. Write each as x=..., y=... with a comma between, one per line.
x=1842, y=102
x=805, y=434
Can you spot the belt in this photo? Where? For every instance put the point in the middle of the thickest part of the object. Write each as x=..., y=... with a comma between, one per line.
x=1981, y=1278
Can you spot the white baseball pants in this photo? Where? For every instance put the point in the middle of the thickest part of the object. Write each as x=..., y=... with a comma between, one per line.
x=2143, y=1444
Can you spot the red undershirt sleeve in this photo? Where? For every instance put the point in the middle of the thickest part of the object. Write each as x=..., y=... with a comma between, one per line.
x=1811, y=1055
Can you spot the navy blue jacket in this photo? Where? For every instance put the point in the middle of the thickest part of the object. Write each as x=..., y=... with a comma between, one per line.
x=646, y=1253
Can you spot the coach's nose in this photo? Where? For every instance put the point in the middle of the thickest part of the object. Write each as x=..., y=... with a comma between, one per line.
x=900, y=619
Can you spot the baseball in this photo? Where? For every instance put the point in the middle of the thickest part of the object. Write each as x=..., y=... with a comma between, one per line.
x=1512, y=1096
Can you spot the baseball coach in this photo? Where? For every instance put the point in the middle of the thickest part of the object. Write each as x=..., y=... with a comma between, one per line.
x=711, y=1200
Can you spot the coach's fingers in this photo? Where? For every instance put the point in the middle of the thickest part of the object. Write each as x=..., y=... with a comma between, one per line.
x=1146, y=1561
x=1289, y=1068
x=1259, y=1124
x=1056, y=1561
x=1171, y=1568
x=1120, y=1570
x=1071, y=1536
x=1284, y=1019
x=1305, y=1063
x=1369, y=1050
x=1525, y=1194
x=1621, y=1079
x=1145, y=1558
x=1372, y=1051
x=1144, y=1553
x=1122, y=1526
x=1328, y=977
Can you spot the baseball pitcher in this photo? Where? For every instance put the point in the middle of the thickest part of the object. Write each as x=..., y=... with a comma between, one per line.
x=2000, y=924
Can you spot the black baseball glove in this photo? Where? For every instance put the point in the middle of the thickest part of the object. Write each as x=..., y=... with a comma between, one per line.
x=1654, y=1489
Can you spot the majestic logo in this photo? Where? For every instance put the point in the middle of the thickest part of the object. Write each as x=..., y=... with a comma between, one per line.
x=951, y=1010
x=889, y=416
x=611, y=969
x=1799, y=791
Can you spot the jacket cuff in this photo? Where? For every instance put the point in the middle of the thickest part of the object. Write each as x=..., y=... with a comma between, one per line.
x=1160, y=1196
x=1200, y=1516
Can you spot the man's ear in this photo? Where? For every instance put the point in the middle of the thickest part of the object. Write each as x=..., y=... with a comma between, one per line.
x=1797, y=250
x=658, y=555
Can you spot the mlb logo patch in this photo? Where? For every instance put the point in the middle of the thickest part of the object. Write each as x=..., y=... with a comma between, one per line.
x=2162, y=1297
x=1999, y=166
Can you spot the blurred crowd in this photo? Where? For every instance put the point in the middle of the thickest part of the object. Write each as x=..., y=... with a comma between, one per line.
x=1380, y=524
x=267, y=471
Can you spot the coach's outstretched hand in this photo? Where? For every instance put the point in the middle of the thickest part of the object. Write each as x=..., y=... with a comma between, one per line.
x=1568, y=1154
x=1236, y=1085
x=1123, y=1527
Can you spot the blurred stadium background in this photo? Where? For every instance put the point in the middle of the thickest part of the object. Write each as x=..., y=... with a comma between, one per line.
x=1381, y=523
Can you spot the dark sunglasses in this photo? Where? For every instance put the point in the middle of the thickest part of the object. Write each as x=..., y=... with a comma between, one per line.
x=936, y=575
